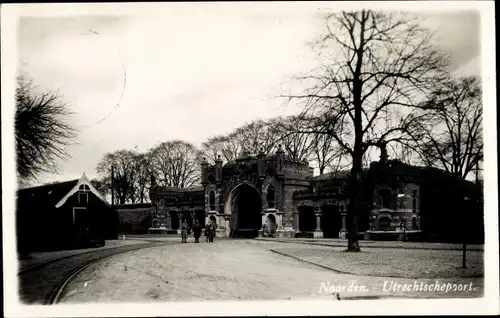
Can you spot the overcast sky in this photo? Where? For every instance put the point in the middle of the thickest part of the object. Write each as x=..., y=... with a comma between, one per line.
x=191, y=72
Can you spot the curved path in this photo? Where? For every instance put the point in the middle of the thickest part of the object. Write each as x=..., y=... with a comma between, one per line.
x=42, y=282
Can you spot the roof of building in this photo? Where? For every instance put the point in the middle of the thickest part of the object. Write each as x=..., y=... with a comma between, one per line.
x=53, y=195
x=47, y=195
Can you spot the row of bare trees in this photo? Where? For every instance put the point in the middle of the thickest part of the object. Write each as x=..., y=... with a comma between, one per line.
x=173, y=163
x=177, y=163
x=268, y=135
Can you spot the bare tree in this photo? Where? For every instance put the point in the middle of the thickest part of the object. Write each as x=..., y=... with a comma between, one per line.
x=375, y=69
x=123, y=164
x=214, y=147
x=296, y=145
x=143, y=175
x=454, y=139
x=41, y=130
x=177, y=163
x=255, y=136
x=327, y=154
x=233, y=146
x=101, y=186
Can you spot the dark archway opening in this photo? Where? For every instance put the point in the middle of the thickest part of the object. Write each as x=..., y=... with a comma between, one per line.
x=331, y=221
x=200, y=215
x=271, y=224
x=246, y=209
x=386, y=198
x=174, y=220
x=307, y=219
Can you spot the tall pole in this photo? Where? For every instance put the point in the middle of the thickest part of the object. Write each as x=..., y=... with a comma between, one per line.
x=112, y=186
x=464, y=246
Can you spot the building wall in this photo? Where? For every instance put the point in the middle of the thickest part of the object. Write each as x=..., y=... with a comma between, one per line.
x=104, y=220
x=134, y=218
x=394, y=202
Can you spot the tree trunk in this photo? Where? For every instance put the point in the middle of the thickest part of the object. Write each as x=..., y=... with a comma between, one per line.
x=357, y=154
x=354, y=207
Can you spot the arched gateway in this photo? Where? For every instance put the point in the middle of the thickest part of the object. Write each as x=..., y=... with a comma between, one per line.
x=244, y=205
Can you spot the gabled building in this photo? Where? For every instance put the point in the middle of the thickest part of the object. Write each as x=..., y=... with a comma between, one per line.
x=62, y=215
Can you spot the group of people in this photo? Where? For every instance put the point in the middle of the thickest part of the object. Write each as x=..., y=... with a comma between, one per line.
x=210, y=229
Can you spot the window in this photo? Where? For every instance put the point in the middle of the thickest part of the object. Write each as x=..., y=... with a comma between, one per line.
x=385, y=196
x=83, y=198
x=270, y=197
x=211, y=200
x=84, y=188
x=414, y=200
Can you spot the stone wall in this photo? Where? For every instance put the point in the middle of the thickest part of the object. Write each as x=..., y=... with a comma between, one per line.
x=296, y=178
x=132, y=217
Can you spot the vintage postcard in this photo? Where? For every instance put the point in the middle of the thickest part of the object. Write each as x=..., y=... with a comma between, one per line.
x=249, y=158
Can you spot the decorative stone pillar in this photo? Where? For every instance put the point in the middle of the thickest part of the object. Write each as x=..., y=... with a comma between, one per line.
x=318, y=233
x=227, y=226
x=181, y=217
x=296, y=220
x=343, y=230
x=318, y=221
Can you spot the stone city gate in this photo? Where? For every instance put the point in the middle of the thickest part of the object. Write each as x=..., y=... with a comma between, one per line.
x=247, y=196
x=276, y=195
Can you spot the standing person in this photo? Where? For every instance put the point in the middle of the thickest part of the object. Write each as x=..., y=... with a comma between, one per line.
x=184, y=231
x=196, y=231
x=211, y=230
x=207, y=232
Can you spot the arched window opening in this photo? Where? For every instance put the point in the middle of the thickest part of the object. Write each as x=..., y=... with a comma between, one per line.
x=414, y=200
x=270, y=197
x=385, y=195
x=211, y=200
